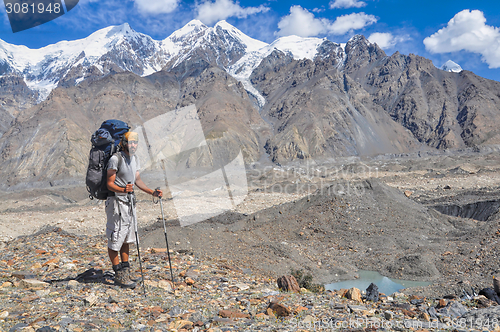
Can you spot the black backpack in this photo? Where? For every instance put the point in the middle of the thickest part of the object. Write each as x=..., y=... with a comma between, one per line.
x=104, y=144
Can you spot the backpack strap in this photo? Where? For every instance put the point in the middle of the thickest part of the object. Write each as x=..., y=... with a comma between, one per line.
x=120, y=158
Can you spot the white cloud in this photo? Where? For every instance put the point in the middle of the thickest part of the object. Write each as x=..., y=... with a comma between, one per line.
x=211, y=12
x=386, y=40
x=157, y=6
x=302, y=23
x=382, y=39
x=346, y=4
x=468, y=31
x=346, y=23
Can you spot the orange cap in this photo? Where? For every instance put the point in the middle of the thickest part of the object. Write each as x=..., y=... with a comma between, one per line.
x=130, y=136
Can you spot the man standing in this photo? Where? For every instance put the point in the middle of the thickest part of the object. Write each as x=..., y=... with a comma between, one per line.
x=123, y=172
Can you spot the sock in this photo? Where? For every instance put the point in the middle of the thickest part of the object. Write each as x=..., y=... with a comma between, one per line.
x=125, y=264
x=117, y=267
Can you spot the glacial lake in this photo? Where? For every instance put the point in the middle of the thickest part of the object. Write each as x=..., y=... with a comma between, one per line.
x=385, y=285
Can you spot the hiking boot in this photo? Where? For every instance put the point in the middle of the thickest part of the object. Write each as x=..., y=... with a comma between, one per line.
x=129, y=275
x=122, y=279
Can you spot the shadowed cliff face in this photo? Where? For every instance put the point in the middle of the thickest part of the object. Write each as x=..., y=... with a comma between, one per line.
x=6, y=120
x=352, y=101
x=319, y=112
x=15, y=97
x=441, y=109
x=372, y=104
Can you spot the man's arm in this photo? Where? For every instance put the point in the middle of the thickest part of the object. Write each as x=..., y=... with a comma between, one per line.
x=113, y=187
x=141, y=185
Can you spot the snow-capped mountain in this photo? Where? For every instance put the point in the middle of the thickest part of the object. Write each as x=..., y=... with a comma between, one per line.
x=70, y=62
x=298, y=47
x=319, y=100
x=120, y=48
x=451, y=66
x=222, y=44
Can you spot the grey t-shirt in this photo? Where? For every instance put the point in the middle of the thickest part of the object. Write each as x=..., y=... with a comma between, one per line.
x=126, y=170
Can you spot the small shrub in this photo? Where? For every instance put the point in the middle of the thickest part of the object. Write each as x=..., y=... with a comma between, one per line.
x=305, y=281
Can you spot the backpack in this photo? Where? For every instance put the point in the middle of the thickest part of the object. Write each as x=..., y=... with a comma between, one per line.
x=104, y=144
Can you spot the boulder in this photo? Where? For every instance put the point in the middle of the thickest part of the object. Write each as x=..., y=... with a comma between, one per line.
x=432, y=312
x=481, y=316
x=442, y=303
x=166, y=285
x=232, y=314
x=288, y=284
x=496, y=285
x=354, y=294
x=483, y=302
x=454, y=309
x=180, y=324
x=91, y=300
x=490, y=294
x=72, y=284
x=193, y=274
x=358, y=309
x=279, y=310
x=23, y=275
x=33, y=284
x=372, y=293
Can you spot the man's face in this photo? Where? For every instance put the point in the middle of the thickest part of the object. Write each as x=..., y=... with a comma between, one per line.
x=132, y=147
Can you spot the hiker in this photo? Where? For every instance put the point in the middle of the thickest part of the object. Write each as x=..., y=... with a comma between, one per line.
x=122, y=173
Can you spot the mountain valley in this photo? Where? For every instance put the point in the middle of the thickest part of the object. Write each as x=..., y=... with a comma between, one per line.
x=306, y=114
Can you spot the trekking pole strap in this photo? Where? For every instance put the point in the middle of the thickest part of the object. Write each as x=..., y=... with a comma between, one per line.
x=157, y=198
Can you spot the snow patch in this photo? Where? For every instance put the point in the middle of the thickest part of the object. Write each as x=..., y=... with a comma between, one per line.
x=451, y=66
x=301, y=48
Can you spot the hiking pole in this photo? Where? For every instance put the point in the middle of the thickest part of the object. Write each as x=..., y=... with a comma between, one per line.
x=166, y=240
x=134, y=220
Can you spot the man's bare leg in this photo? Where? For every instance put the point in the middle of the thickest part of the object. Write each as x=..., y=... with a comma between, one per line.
x=124, y=252
x=113, y=256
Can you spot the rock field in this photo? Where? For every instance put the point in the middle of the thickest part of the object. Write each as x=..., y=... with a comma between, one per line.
x=370, y=215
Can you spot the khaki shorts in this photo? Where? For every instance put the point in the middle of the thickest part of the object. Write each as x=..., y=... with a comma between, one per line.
x=120, y=227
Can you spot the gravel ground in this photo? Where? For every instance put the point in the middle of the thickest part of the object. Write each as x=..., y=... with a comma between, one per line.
x=40, y=290
x=372, y=215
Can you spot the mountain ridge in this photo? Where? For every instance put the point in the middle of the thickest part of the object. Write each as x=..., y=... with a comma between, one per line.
x=312, y=100
x=43, y=68
x=120, y=48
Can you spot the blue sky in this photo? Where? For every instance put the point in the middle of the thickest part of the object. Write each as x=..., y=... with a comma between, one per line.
x=467, y=32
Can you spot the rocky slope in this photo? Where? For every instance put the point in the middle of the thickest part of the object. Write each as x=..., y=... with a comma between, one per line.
x=442, y=109
x=228, y=265
x=374, y=104
x=50, y=142
x=43, y=288
x=319, y=112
